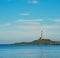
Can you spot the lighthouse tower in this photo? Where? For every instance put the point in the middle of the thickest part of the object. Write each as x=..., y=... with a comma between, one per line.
x=41, y=34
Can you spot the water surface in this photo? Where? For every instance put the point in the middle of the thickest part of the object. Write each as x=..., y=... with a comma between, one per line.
x=29, y=51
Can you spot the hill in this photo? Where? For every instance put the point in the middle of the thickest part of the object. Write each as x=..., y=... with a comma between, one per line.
x=40, y=41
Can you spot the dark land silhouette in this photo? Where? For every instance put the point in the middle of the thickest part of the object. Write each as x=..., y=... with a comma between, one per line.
x=40, y=41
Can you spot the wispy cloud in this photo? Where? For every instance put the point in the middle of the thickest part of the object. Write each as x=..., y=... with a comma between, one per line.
x=25, y=14
x=50, y=26
x=33, y=21
x=57, y=20
x=5, y=25
x=37, y=27
x=33, y=1
x=28, y=27
x=8, y=24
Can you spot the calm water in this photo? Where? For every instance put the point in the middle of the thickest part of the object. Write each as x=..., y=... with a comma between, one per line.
x=29, y=51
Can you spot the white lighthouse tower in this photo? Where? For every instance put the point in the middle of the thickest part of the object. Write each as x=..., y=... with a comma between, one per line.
x=41, y=34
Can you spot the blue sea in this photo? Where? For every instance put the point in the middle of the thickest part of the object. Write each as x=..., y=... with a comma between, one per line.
x=29, y=51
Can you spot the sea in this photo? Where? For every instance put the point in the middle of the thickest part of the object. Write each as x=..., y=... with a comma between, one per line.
x=29, y=51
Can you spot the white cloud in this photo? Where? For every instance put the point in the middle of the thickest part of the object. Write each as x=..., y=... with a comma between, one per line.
x=57, y=20
x=50, y=26
x=39, y=27
x=33, y=21
x=28, y=27
x=33, y=1
x=25, y=14
x=5, y=25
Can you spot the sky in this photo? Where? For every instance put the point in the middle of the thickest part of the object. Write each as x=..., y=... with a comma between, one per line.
x=23, y=20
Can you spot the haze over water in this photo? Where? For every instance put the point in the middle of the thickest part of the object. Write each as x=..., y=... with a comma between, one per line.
x=29, y=51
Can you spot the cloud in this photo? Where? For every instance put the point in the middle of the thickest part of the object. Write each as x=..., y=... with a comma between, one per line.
x=33, y=1
x=25, y=14
x=57, y=20
x=33, y=21
x=5, y=25
x=37, y=27
x=34, y=24
x=50, y=26
x=28, y=27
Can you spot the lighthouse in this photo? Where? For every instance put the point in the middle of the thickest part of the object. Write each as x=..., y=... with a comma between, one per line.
x=41, y=34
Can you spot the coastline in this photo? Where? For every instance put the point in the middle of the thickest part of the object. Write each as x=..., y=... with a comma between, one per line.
x=39, y=42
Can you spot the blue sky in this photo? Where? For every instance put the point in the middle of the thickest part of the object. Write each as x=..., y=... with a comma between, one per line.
x=23, y=20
